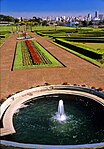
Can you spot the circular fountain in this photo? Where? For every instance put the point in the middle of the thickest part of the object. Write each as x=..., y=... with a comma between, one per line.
x=54, y=116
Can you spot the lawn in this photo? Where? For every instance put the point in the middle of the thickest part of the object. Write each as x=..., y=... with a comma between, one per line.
x=70, y=31
x=5, y=32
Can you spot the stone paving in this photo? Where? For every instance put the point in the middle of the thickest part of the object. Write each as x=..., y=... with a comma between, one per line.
x=77, y=70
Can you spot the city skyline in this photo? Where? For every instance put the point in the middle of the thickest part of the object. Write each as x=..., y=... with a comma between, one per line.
x=43, y=8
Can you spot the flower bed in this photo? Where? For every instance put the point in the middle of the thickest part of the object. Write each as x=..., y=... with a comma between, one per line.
x=33, y=53
x=42, y=56
x=26, y=55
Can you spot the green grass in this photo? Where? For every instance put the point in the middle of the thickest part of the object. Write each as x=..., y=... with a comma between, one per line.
x=5, y=32
x=9, y=28
x=18, y=59
x=18, y=64
x=49, y=28
x=62, y=31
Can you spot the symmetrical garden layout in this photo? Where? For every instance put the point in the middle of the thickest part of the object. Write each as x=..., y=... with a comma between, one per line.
x=30, y=54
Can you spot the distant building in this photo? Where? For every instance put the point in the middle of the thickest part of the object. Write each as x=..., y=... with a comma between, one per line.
x=71, y=24
x=96, y=19
x=57, y=18
x=101, y=17
x=96, y=14
x=89, y=18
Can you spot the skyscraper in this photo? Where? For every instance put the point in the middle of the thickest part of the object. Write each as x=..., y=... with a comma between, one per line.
x=96, y=14
x=89, y=17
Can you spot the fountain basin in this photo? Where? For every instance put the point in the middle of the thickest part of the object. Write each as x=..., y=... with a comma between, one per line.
x=55, y=93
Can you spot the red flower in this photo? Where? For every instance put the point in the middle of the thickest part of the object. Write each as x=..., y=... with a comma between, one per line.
x=33, y=53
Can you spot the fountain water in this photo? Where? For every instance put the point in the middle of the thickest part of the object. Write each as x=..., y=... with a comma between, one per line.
x=82, y=117
x=60, y=115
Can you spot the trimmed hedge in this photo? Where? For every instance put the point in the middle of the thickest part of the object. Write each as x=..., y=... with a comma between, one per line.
x=41, y=34
x=2, y=36
x=81, y=50
x=90, y=40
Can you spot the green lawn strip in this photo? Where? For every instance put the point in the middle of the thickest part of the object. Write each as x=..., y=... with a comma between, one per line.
x=18, y=57
x=50, y=28
x=9, y=28
x=97, y=63
x=87, y=35
x=48, y=55
x=37, y=66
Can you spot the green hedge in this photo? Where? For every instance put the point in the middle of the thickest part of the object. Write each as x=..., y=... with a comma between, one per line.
x=85, y=39
x=2, y=36
x=84, y=51
x=41, y=34
x=4, y=32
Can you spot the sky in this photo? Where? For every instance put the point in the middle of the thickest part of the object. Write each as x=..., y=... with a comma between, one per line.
x=29, y=8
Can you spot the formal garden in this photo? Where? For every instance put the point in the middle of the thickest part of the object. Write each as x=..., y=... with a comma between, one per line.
x=87, y=43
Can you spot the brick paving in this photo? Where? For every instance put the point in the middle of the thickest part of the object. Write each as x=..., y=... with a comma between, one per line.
x=77, y=70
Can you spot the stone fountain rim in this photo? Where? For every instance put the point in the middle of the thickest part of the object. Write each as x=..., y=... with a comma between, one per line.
x=14, y=102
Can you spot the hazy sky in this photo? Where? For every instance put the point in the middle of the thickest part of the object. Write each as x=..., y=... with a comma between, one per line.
x=28, y=8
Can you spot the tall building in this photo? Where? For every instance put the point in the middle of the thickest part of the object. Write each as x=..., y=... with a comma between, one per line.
x=89, y=17
x=96, y=14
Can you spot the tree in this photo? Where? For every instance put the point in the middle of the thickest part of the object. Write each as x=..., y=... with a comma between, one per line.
x=44, y=23
x=84, y=23
x=16, y=20
x=6, y=18
x=90, y=23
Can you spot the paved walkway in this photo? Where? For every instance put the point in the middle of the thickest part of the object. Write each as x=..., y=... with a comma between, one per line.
x=77, y=70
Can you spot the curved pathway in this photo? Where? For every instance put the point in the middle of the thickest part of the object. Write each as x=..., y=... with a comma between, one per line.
x=77, y=70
